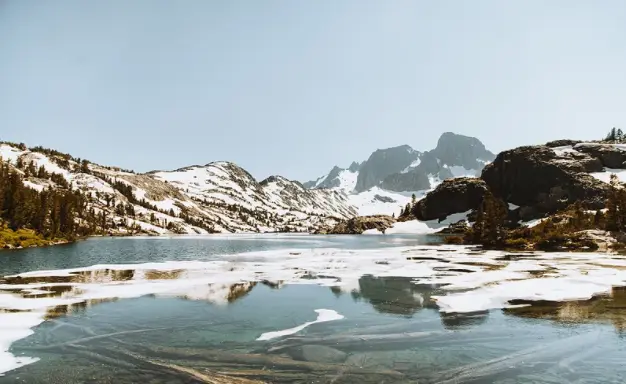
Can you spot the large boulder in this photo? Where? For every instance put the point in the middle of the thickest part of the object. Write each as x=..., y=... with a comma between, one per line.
x=317, y=353
x=451, y=196
x=545, y=179
x=358, y=225
x=610, y=155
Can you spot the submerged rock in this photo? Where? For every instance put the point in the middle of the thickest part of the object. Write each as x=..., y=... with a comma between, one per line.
x=317, y=353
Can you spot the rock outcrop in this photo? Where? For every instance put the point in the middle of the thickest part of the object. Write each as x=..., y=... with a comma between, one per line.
x=451, y=196
x=609, y=155
x=545, y=180
x=540, y=180
x=358, y=225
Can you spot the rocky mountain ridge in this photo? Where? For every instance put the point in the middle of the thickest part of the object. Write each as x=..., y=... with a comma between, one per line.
x=535, y=181
x=386, y=181
x=403, y=169
x=217, y=197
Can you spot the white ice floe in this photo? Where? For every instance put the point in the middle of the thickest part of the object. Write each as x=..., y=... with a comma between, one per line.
x=323, y=315
x=471, y=280
x=15, y=326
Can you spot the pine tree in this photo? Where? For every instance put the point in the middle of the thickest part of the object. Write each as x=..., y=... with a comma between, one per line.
x=612, y=136
x=612, y=214
x=619, y=135
x=489, y=227
x=413, y=199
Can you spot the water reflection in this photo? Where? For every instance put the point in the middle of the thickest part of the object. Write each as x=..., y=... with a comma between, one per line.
x=387, y=295
x=603, y=309
x=403, y=340
x=393, y=295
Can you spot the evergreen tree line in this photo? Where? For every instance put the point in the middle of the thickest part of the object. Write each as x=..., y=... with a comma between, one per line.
x=53, y=213
x=492, y=228
x=409, y=208
x=615, y=135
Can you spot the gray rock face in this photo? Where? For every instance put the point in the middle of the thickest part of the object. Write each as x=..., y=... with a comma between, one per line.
x=410, y=181
x=403, y=169
x=459, y=150
x=309, y=184
x=354, y=166
x=382, y=163
x=331, y=180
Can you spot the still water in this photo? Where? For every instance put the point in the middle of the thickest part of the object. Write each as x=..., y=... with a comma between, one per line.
x=390, y=330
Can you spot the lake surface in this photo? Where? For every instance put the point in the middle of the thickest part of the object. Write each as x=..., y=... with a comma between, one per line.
x=308, y=309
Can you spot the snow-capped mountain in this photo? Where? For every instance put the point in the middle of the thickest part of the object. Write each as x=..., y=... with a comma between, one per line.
x=217, y=197
x=386, y=181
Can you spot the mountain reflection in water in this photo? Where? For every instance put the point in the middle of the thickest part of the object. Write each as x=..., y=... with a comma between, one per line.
x=392, y=333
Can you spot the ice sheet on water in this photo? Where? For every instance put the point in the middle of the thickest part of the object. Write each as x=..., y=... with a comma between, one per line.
x=471, y=280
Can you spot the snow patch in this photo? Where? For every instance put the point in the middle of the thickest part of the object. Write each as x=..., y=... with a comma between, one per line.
x=323, y=315
x=9, y=154
x=420, y=227
x=412, y=165
x=460, y=171
x=564, y=150
x=605, y=176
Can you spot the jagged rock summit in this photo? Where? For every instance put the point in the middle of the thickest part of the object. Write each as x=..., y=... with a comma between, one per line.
x=403, y=169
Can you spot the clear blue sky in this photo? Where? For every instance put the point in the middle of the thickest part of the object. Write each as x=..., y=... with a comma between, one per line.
x=295, y=87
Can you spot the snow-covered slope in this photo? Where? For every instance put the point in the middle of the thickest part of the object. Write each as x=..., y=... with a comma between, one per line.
x=217, y=197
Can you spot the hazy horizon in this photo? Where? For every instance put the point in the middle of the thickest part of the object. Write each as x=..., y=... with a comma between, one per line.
x=294, y=88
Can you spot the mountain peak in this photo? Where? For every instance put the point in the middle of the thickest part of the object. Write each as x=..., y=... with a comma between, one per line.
x=402, y=168
x=354, y=166
x=459, y=150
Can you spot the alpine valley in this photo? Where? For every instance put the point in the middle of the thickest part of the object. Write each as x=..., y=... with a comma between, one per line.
x=221, y=197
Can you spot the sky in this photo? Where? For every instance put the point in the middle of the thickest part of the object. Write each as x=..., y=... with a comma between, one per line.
x=295, y=87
